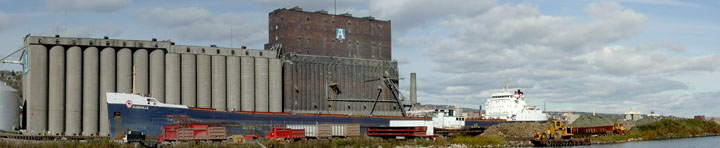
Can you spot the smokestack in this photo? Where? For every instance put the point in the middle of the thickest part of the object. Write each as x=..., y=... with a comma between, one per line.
x=413, y=89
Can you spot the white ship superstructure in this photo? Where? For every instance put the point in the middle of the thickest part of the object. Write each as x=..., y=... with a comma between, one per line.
x=511, y=107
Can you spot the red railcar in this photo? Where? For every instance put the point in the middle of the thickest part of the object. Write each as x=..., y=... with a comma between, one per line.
x=286, y=133
x=616, y=128
x=409, y=131
x=192, y=132
x=595, y=130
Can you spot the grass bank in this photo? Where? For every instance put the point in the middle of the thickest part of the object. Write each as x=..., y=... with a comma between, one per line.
x=666, y=129
x=14, y=143
x=476, y=141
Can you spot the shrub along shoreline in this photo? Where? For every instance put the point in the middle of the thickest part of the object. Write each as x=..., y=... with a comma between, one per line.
x=476, y=141
x=664, y=129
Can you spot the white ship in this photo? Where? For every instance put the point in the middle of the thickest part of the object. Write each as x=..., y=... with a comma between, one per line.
x=511, y=107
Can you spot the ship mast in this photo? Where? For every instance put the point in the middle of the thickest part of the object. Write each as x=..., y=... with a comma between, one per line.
x=507, y=85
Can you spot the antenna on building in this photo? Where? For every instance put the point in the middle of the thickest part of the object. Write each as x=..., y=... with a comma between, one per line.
x=231, y=35
x=335, y=7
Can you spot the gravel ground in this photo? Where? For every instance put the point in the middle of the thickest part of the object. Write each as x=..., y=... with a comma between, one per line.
x=589, y=121
x=647, y=120
x=519, y=130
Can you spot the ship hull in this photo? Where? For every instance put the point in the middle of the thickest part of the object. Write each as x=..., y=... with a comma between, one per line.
x=151, y=119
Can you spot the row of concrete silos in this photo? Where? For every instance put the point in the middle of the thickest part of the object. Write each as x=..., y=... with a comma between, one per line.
x=224, y=82
x=65, y=86
x=77, y=80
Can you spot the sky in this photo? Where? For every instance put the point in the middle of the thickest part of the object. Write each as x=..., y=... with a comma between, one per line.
x=566, y=55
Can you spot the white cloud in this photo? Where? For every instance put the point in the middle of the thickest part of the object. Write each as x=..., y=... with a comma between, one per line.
x=555, y=59
x=512, y=36
x=173, y=17
x=664, y=2
x=407, y=14
x=312, y=5
x=87, y=5
x=9, y=20
x=5, y=21
x=618, y=60
x=82, y=31
x=667, y=45
x=196, y=24
x=401, y=60
x=458, y=90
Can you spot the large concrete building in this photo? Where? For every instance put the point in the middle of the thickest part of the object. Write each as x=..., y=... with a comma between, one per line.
x=333, y=64
x=65, y=79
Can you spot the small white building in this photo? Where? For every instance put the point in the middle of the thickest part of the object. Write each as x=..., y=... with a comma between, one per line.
x=447, y=119
x=633, y=115
x=653, y=114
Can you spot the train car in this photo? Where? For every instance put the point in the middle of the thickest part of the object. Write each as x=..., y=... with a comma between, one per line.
x=286, y=134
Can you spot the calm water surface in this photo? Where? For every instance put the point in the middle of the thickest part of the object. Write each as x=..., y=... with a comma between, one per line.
x=702, y=142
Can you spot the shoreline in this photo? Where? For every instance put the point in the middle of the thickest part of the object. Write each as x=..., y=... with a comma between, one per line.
x=527, y=143
x=641, y=139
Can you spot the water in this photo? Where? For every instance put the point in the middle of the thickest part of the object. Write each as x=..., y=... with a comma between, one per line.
x=673, y=143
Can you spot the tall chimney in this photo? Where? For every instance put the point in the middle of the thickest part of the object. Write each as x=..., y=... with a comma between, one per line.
x=413, y=89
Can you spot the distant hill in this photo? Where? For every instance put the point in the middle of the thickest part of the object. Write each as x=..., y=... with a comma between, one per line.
x=12, y=78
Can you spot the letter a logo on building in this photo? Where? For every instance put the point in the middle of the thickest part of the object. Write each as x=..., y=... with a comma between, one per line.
x=340, y=33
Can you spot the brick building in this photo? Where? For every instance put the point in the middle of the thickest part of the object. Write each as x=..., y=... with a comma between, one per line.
x=320, y=33
x=335, y=64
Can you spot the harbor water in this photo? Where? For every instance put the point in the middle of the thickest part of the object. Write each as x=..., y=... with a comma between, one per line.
x=713, y=141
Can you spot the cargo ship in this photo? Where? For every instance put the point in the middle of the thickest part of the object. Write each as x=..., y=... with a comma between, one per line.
x=511, y=106
x=130, y=112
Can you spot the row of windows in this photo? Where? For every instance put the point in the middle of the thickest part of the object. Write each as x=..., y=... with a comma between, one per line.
x=325, y=29
x=357, y=42
x=501, y=96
